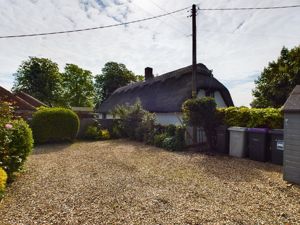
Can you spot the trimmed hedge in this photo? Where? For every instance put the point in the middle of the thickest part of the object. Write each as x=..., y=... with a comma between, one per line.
x=251, y=117
x=3, y=179
x=54, y=125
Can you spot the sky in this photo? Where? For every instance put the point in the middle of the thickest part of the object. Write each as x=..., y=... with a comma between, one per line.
x=236, y=45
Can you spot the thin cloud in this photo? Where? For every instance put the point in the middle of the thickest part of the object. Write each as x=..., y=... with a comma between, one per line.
x=162, y=44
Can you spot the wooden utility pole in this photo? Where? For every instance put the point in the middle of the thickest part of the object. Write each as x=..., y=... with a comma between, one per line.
x=194, y=65
x=194, y=45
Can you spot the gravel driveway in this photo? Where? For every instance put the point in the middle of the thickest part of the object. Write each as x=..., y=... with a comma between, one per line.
x=123, y=182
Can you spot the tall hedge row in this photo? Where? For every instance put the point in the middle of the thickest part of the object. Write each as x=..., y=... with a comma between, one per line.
x=251, y=117
x=54, y=125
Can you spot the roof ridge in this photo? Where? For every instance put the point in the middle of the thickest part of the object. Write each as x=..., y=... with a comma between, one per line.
x=200, y=68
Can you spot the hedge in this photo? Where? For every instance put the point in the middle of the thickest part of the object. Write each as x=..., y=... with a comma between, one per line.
x=251, y=117
x=54, y=125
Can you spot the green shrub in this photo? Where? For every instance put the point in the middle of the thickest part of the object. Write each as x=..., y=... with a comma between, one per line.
x=95, y=133
x=3, y=179
x=54, y=124
x=170, y=130
x=92, y=133
x=237, y=115
x=251, y=117
x=105, y=135
x=180, y=138
x=202, y=112
x=116, y=130
x=134, y=122
x=174, y=142
x=169, y=143
x=16, y=142
x=158, y=139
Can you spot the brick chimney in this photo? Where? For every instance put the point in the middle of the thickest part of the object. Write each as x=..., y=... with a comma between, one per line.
x=148, y=73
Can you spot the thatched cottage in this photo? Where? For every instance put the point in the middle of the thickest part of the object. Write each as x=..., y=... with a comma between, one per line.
x=165, y=94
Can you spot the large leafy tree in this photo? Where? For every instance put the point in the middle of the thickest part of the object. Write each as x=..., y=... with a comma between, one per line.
x=113, y=76
x=40, y=78
x=278, y=80
x=78, y=87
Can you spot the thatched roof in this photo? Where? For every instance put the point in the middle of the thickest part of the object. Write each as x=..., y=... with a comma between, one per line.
x=292, y=104
x=16, y=101
x=167, y=92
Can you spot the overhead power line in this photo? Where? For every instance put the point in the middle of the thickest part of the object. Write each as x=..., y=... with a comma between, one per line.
x=144, y=19
x=250, y=8
x=93, y=28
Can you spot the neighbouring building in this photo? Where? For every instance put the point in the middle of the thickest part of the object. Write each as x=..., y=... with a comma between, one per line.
x=165, y=94
x=24, y=104
x=291, y=153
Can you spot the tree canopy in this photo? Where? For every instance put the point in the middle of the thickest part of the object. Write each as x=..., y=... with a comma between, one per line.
x=113, y=76
x=78, y=87
x=277, y=80
x=40, y=78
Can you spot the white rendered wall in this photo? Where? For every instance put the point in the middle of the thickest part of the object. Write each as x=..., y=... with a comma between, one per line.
x=108, y=116
x=218, y=98
x=168, y=118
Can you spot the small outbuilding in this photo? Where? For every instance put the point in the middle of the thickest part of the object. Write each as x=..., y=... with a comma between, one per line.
x=291, y=155
x=165, y=94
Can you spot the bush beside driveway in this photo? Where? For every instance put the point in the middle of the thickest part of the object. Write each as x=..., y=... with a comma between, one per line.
x=124, y=182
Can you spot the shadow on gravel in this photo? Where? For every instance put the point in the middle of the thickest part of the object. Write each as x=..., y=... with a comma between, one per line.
x=50, y=148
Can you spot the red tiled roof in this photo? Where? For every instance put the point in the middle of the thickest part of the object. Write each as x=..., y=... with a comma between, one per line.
x=31, y=100
x=19, y=103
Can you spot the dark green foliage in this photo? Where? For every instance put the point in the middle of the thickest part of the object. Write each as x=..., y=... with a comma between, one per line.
x=117, y=130
x=159, y=139
x=201, y=112
x=278, y=80
x=180, y=138
x=40, y=78
x=114, y=75
x=134, y=123
x=174, y=141
x=171, y=129
x=78, y=87
x=54, y=124
x=251, y=117
x=16, y=141
x=92, y=133
x=137, y=124
x=236, y=116
x=169, y=143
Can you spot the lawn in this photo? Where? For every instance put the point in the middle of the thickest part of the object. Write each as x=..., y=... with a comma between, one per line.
x=123, y=182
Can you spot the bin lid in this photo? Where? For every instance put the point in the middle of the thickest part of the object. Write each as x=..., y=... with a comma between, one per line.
x=242, y=129
x=257, y=130
x=276, y=131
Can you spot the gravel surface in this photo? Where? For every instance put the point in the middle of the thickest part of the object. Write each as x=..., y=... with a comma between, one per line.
x=123, y=182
